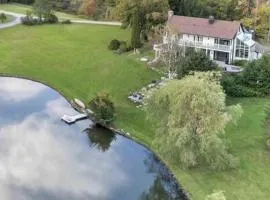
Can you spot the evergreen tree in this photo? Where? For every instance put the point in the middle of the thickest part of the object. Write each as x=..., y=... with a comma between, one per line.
x=136, y=30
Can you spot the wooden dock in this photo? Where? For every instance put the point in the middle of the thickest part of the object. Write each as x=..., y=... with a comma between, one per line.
x=72, y=119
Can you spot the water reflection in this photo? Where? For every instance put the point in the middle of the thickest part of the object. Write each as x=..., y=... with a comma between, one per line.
x=43, y=158
x=100, y=138
x=155, y=192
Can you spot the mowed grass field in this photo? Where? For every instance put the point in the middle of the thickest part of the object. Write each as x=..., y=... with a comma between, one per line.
x=75, y=60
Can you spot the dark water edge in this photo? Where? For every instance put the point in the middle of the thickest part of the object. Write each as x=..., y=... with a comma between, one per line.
x=164, y=181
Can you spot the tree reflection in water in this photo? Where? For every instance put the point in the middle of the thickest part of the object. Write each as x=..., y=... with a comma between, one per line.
x=100, y=138
x=155, y=192
x=165, y=186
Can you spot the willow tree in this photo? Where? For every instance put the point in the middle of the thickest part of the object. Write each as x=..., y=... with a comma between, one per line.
x=192, y=115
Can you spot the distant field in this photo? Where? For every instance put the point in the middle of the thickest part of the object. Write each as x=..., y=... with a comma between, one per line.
x=21, y=9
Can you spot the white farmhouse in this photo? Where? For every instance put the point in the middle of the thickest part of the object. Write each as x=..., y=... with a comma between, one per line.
x=221, y=40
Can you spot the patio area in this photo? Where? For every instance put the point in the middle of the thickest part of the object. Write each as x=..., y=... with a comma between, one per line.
x=228, y=68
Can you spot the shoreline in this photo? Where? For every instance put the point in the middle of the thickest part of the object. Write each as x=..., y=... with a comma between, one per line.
x=184, y=194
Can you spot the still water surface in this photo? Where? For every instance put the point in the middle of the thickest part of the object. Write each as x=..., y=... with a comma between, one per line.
x=43, y=158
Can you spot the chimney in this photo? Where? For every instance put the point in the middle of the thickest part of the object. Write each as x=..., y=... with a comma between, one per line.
x=170, y=14
x=211, y=19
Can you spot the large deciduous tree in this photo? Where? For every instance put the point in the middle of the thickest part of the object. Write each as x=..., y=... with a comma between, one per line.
x=192, y=115
x=88, y=7
x=146, y=14
x=42, y=8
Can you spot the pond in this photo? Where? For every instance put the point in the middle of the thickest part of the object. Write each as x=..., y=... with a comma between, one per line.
x=41, y=157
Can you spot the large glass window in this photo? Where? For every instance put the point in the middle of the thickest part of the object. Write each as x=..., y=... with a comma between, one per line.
x=242, y=50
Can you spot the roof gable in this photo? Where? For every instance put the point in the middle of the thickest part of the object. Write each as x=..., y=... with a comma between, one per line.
x=200, y=26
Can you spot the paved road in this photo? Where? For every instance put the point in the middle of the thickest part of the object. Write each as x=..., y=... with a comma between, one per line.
x=18, y=21
x=96, y=22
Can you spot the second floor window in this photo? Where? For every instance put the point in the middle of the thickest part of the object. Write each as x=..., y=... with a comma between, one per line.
x=198, y=38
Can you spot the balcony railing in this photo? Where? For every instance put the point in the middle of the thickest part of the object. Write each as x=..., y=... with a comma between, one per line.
x=217, y=47
x=196, y=44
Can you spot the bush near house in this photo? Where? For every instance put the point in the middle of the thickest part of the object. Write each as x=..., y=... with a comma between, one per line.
x=195, y=61
x=253, y=82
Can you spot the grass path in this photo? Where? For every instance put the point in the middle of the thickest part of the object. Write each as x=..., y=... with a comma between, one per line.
x=75, y=59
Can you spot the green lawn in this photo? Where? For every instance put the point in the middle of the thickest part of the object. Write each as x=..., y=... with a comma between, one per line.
x=251, y=180
x=75, y=60
x=21, y=9
x=9, y=19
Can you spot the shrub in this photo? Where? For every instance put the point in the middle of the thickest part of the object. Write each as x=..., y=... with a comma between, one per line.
x=30, y=21
x=67, y=21
x=257, y=75
x=195, y=61
x=103, y=108
x=51, y=19
x=233, y=86
x=241, y=63
x=3, y=17
x=124, y=47
x=114, y=45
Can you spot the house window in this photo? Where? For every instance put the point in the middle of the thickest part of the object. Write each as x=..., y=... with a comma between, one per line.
x=246, y=53
x=242, y=50
x=197, y=38
x=224, y=42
